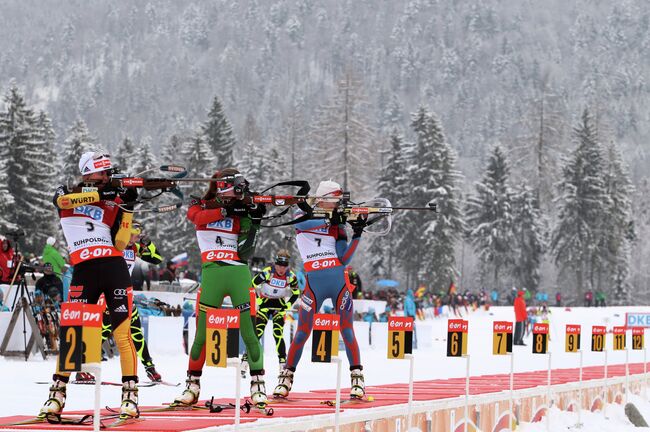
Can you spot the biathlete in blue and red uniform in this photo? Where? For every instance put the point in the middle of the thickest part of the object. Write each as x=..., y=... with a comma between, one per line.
x=325, y=252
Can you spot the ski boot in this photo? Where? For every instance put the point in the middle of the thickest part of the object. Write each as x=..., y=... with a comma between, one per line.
x=285, y=381
x=56, y=400
x=283, y=365
x=129, y=407
x=84, y=377
x=190, y=395
x=152, y=373
x=358, y=387
x=244, y=365
x=258, y=390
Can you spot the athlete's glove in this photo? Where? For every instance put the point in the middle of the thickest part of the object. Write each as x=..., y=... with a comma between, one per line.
x=256, y=213
x=145, y=241
x=108, y=193
x=357, y=226
x=337, y=218
x=236, y=208
x=128, y=195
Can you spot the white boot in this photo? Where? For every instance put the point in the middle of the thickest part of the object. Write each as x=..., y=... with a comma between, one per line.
x=191, y=393
x=244, y=365
x=282, y=366
x=129, y=407
x=285, y=381
x=56, y=401
x=258, y=391
x=358, y=387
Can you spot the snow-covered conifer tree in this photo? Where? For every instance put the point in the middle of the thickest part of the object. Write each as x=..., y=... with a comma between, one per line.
x=218, y=135
x=77, y=142
x=490, y=220
x=529, y=237
x=582, y=200
x=427, y=251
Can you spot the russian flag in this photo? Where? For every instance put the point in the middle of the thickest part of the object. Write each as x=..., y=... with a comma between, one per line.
x=181, y=259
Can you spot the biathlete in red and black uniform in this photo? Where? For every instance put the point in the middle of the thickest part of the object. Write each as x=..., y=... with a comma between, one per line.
x=93, y=224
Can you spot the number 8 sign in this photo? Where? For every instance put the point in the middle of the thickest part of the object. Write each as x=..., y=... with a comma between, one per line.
x=540, y=338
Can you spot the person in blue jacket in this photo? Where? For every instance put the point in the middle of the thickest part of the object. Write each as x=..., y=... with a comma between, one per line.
x=410, y=310
x=325, y=252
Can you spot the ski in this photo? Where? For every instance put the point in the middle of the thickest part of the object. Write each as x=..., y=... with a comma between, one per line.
x=111, y=383
x=55, y=419
x=348, y=401
x=120, y=422
x=34, y=420
x=70, y=421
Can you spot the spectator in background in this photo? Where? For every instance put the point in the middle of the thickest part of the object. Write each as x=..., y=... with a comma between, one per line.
x=370, y=316
x=600, y=298
x=3, y=308
x=355, y=282
x=169, y=273
x=50, y=284
x=589, y=296
x=558, y=299
x=494, y=296
x=512, y=296
x=383, y=317
x=520, y=318
x=138, y=276
x=52, y=256
x=7, y=261
x=411, y=311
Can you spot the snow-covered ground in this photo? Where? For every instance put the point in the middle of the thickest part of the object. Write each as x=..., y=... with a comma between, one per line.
x=593, y=422
x=25, y=396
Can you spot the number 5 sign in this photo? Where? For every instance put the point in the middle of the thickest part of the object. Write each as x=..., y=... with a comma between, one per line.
x=400, y=337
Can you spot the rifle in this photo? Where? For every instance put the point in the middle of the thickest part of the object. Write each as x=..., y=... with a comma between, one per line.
x=162, y=184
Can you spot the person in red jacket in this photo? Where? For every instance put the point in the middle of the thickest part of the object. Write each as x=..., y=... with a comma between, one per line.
x=520, y=318
x=7, y=261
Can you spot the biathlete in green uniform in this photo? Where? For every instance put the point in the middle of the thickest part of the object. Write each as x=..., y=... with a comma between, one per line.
x=226, y=237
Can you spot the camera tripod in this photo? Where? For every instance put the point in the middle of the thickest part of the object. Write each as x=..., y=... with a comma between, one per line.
x=22, y=305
